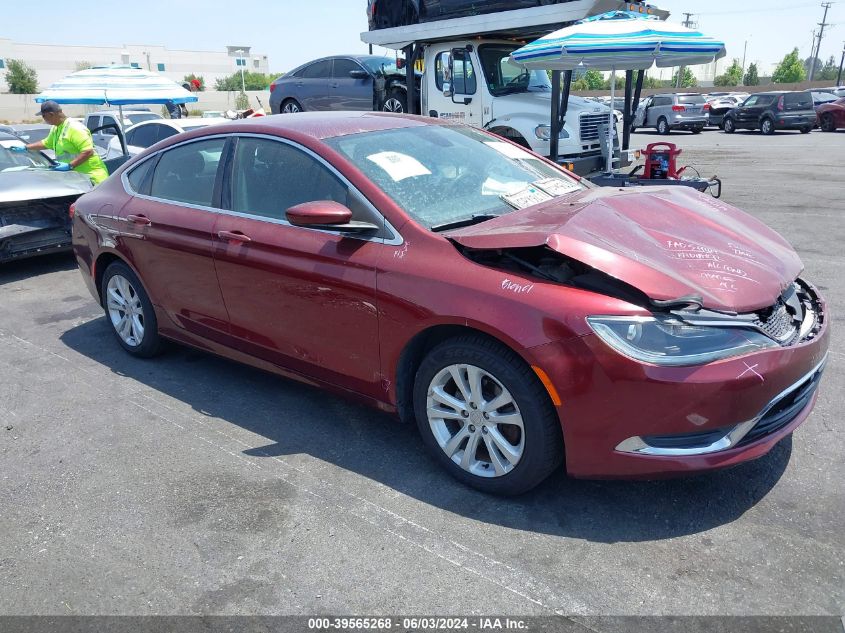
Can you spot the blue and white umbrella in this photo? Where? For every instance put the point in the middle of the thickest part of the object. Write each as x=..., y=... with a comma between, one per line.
x=619, y=40
x=115, y=85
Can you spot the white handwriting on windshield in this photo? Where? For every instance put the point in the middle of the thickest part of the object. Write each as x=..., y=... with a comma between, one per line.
x=517, y=288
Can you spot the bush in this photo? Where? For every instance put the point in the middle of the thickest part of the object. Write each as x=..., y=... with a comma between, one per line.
x=21, y=79
x=251, y=81
x=751, y=78
x=242, y=101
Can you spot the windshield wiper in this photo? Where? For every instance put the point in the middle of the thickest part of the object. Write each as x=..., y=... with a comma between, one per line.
x=456, y=224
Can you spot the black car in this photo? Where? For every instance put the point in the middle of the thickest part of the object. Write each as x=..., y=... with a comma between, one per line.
x=771, y=111
x=385, y=14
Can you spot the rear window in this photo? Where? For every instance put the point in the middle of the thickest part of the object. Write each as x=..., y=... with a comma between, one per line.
x=137, y=118
x=798, y=100
x=691, y=99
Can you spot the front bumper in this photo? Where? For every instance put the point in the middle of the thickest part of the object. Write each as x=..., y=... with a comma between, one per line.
x=608, y=400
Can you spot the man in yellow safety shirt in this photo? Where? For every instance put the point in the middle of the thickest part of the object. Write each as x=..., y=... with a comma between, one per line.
x=72, y=143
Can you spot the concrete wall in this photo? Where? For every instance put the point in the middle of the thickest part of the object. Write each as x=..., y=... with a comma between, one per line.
x=20, y=108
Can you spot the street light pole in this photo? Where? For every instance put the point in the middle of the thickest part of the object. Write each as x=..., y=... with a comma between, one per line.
x=744, y=50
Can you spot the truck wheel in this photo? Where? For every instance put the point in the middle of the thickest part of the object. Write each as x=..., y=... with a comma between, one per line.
x=290, y=106
x=728, y=126
x=397, y=102
x=663, y=126
x=767, y=126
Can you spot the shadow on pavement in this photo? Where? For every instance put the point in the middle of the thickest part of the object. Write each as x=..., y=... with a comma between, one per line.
x=13, y=271
x=299, y=419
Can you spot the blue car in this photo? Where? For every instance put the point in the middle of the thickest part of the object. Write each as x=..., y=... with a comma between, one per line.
x=346, y=82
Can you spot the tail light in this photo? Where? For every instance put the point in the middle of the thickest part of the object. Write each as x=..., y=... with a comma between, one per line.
x=679, y=108
x=780, y=103
x=706, y=107
x=272, y=87
x=72, y=211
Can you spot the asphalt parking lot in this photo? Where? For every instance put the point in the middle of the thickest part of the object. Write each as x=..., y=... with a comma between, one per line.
x=189, y=484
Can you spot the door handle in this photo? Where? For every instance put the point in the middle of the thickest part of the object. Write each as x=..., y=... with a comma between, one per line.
x=233, y=236
x=139, y=219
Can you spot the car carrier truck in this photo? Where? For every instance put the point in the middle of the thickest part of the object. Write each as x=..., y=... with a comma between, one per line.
x=469, y=77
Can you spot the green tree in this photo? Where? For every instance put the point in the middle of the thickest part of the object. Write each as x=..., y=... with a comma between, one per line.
x=252, y=81
x=829, y=71
x=751, y=78
x=790, y=70
x=191, y=77
x=732, y=76
x=688, y=80
x=242, y=101
x=620, y=82
x=21, y=79
x=651, y=82
x=594, y=79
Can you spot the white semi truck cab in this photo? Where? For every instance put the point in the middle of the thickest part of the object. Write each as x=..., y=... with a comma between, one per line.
x=468, y=76
x=475, y=82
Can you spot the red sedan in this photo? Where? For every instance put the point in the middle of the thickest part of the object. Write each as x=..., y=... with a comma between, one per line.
x=832, y=115
x=521, y=316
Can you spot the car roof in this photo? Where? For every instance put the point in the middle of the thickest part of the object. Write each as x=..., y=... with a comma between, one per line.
x=322, y=125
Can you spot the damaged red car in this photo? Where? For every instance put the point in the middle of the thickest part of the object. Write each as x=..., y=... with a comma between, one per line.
x=521, y=317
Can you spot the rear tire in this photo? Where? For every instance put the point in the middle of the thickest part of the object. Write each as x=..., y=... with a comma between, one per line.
x=458, y=421
x=290, y=106
x=663, y=127
x=806, y=129
x=729, y=126
x=767, y=126
x=129, y=311
x=697, y=130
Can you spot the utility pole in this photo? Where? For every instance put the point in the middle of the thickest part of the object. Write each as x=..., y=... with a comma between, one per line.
x=689, y=24
x=744, y=50
x=841, y=62
x=822, y=24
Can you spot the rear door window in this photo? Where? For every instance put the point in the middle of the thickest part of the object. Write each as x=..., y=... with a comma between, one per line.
x=187, y=173
x=798, y=101
x=317, y=70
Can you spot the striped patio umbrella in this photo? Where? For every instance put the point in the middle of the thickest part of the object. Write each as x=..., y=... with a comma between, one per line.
x=115, y=85
x=619, y=40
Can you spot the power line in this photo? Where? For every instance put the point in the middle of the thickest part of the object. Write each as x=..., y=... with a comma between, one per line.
x=822, y=24
x=789, y=7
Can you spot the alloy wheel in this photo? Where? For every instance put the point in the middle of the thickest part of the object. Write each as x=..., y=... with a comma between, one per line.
x=393, y=105
x=291, y=107
x=125, y=310
x=475, y=420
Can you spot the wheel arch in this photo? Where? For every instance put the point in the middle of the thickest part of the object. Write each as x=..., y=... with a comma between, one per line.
x=511, y=134
x=419, y=345
x=103, y=261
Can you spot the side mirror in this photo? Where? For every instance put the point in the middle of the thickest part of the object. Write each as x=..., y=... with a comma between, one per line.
x=359, y=73
x=447, y=89
x=326, y=214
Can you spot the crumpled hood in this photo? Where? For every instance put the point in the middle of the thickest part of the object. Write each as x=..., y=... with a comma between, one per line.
x=666, y=241
x=37, y=184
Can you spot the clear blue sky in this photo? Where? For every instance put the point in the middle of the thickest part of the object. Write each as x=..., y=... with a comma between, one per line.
x=292, y=32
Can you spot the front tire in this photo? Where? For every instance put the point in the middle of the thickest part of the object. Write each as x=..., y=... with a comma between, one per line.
x=129, y=311
x=663, y=127
x=486, y=417
x=827, y=123
x=396, y=102
x=729, y=126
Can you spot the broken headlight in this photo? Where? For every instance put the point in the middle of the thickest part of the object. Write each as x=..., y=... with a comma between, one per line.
x=670, y=341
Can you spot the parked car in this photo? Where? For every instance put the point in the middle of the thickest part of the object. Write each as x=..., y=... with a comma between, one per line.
x=821, y=97
x=147, y=133
x=771, y=111
x=349, y=82
x=721, y=104
x=34, y=202
x=832, y=115
x=31, y=132
x=667, y=112
x=96, y=120
x=442, y=273
x=839, y=91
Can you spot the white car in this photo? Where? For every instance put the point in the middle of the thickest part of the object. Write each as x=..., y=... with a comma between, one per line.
x=839, y=91
x=147, y=133
x=95, y=120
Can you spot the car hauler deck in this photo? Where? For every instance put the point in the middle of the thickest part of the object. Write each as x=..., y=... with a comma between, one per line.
x=469, y=77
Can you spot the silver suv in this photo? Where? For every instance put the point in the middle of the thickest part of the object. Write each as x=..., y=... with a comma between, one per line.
x=669, y=112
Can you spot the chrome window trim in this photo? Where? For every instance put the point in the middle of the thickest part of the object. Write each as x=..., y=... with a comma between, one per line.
x=638, y=445
x=396, y=240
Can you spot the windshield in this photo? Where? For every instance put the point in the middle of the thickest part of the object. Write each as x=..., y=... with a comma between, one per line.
x=504, y=77
x=445, y=174
x=375, y=64
x=20, y=160
x=137, y=118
